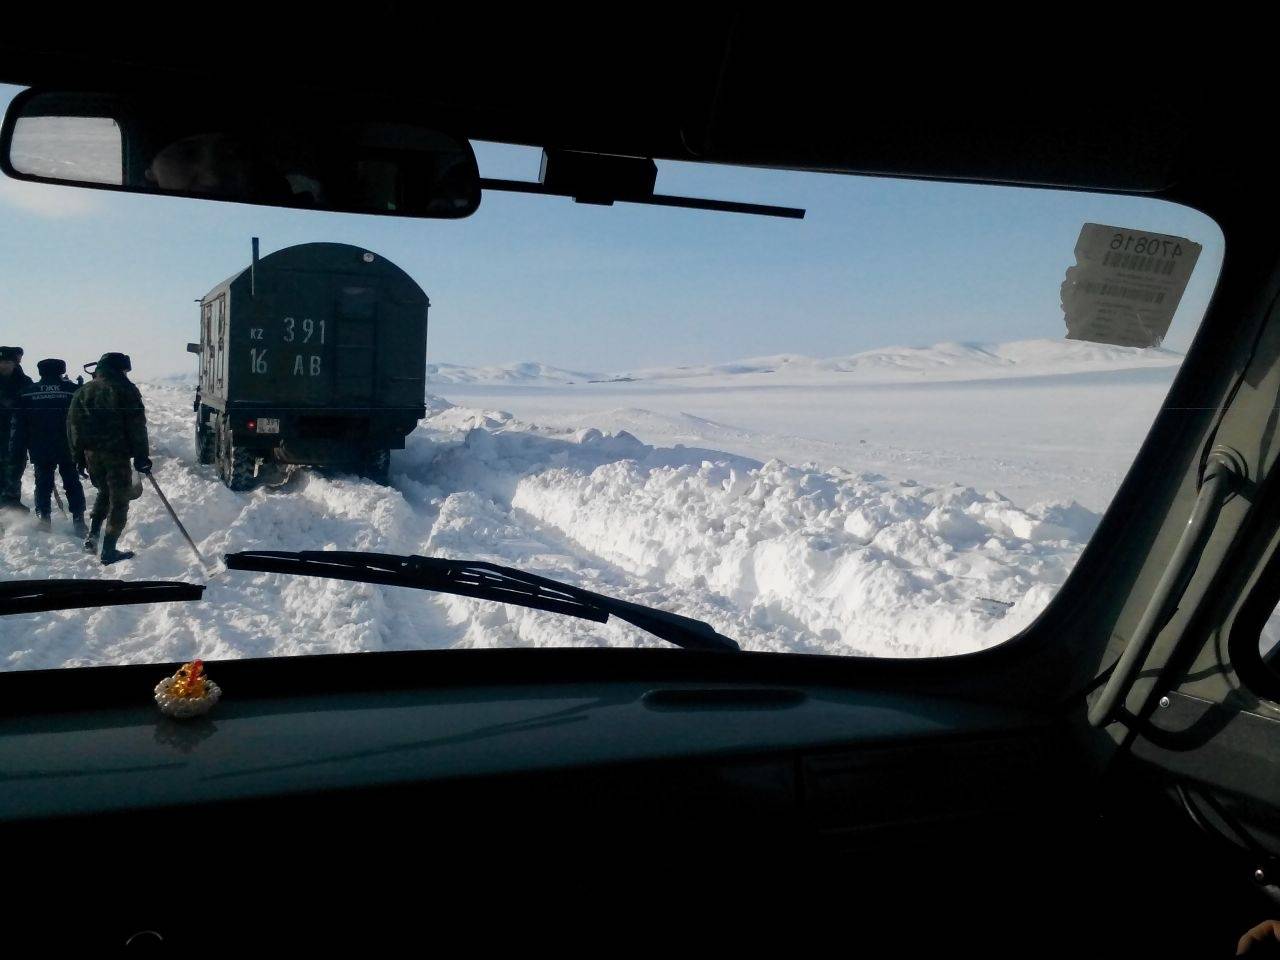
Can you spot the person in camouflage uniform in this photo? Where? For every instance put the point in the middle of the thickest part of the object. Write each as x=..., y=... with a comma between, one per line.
x=12, y=382
x=106, y=426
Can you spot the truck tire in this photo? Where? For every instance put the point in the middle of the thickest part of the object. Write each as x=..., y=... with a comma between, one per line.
x=235, y=464
x=206, y=445
x=377, y=467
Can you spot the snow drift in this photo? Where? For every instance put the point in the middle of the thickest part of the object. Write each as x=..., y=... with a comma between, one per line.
x=783, y=557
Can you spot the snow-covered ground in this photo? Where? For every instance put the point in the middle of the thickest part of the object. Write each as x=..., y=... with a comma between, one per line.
x=1034, y=419
x=898, y=503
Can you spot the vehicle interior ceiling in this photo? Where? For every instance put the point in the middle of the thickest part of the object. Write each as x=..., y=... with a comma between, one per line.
x=912, y=778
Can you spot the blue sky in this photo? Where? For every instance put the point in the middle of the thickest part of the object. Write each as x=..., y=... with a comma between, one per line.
x=876, y=262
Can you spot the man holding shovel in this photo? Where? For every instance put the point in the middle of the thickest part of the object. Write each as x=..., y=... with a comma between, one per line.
x=106, y=427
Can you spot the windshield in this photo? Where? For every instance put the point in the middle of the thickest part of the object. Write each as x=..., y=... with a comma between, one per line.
x=886, y=429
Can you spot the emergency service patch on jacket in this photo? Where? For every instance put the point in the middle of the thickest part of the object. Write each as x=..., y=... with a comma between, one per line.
x=40, y=421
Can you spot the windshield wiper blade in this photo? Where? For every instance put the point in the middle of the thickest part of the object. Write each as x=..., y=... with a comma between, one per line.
x=484, y=581
x=35, y=596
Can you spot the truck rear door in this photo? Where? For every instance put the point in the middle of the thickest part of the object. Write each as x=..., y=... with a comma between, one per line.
x=356, y=343
x=287, y=351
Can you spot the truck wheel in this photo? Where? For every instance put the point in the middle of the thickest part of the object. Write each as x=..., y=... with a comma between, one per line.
x=377, y=467
x=235, y=464
x=206, y=446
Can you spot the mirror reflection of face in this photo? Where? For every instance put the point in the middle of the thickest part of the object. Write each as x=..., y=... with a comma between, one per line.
x=213, y=163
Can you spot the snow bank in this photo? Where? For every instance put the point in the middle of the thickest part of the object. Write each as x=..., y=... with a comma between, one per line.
x=781, y=557
x=854, y=564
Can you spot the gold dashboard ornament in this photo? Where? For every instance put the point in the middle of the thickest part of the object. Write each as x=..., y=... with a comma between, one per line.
x=188, y=693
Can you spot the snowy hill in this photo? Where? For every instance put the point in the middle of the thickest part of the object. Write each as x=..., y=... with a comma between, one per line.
x=942, y=362
x=511, y=374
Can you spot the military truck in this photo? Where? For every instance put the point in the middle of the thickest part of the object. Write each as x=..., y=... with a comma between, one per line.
x=315, y=354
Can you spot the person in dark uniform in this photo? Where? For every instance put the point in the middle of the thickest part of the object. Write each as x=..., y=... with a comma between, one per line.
x=106, y=426
x=12, y=382
x=40, y=431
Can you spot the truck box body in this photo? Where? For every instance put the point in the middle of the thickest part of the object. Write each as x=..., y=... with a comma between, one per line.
x=314, y=354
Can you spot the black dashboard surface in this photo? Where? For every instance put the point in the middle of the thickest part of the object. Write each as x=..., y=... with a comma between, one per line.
x=316, y=805
x=129, y=758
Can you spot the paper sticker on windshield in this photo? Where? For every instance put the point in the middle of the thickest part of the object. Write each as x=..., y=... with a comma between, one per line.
x=1126, y=285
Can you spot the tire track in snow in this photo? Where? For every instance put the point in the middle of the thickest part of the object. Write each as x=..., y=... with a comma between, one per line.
x=242, y=614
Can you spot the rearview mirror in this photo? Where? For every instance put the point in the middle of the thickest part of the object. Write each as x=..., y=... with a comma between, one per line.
x=287, y=155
